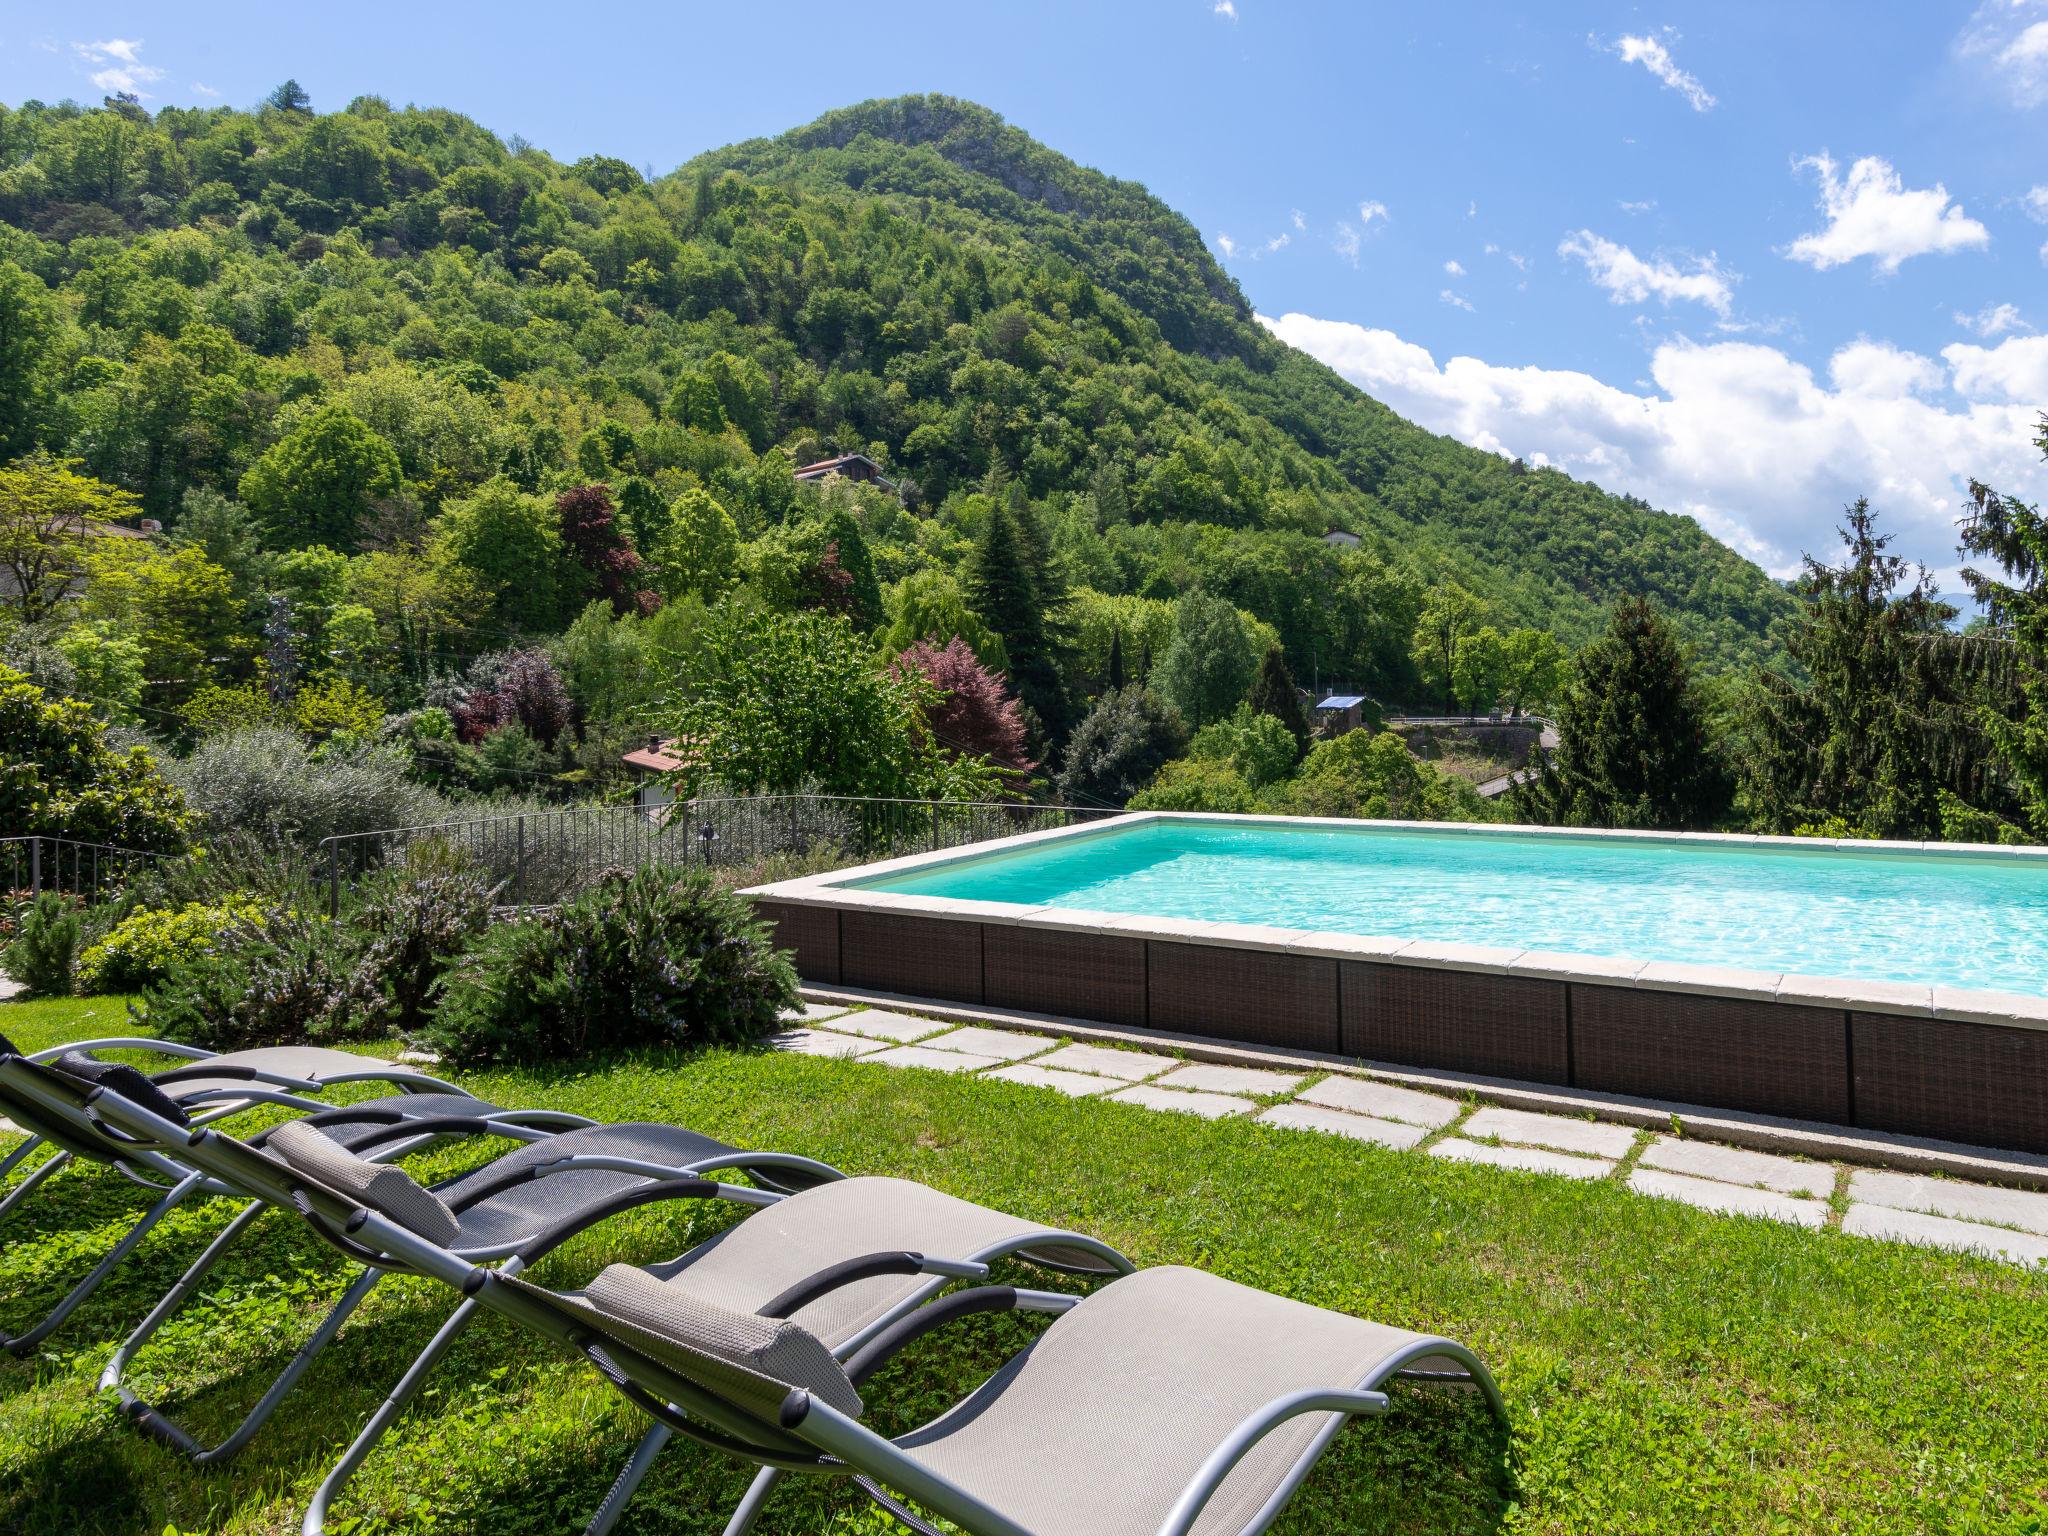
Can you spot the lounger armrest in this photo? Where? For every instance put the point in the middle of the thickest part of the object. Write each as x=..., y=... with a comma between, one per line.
x=205, y=1071
x=908, y=1329
x=124, y=1043
x=746, y=1162
x=219, y=1103
x=405, y=1128
x=867, y=1267
x=410, y=1082
x=1187, y=1509
x=533, y=1248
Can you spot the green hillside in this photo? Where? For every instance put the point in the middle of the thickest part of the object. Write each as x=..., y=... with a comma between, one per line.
x=350, y=356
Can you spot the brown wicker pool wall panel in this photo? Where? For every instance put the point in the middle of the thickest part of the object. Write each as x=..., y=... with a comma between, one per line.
x=1075, y=975
x=1978, y=1083
x=812, y=932
x=1461, y=1021
x=1258, y=996
x=917, y=956
x=1733, y=1053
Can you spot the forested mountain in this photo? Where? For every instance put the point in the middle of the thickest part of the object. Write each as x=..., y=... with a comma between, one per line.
x=406, y=394
x=1552, y=550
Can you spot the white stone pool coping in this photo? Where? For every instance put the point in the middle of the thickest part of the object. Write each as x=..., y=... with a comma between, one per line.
x=1962, y=1004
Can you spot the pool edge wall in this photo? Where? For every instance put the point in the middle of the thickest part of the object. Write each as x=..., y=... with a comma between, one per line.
x=1847, y=1064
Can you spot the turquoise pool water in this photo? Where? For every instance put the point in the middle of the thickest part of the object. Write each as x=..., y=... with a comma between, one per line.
x=1940, y=919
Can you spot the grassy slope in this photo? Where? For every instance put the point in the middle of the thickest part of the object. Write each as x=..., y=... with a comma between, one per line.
x=1666, y=1369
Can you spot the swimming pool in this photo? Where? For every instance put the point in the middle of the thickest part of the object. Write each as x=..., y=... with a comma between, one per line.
x=1951, y=919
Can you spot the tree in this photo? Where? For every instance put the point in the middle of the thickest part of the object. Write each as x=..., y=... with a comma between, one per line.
x=1002, y=587
x=514, y=543
x=27, y=324
x=1533, y=669
x=1448, y=614
x=227, y=533
x=1211, y=663
x=929, y=606
x=50, y=516
x=1274, y=693
x=1479, y=669
x=780, y=701
x=108, y=668
x=1633, y=744
x=591, y=533
x=314, y=485
x=2015, y=535
x=699, y=550
x=176, y=604
x=1115, y=751
x=1889, y=716
x=974, y=713
x=289, y=97
x=532, y=692
x=59, y=778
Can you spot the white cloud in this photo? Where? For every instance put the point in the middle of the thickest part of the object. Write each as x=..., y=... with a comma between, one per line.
x=124, y=69
x=1456, y=300
x=1992, y=320
x=2010, y=37
x=1472, y=209
x=1277, y=243
x=1872, y=213
x=1368, y=211
x=2036, y=203
x=1454, y=269
x=1299, y=221
x=1629, y=279
x=1350, y=237
x=1653, y=55
x=1642, y=207
x=1226, y=245
x=1738, y=434
x=204, y=90
x=2015, y=370
x=1227, y=9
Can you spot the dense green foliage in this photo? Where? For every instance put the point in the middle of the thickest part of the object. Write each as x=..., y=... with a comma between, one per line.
x=1883, y=734
x=1635, y=745
x=650, y=958
x=2015, y=536
x=147, y=945
x=44, y=949
x=58, y=776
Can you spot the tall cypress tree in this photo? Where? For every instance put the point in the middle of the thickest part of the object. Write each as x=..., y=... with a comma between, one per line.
x=1885, y=731
x=2016, y=612
x=1002, y=586
x=1273, y=693
x=1633, y=745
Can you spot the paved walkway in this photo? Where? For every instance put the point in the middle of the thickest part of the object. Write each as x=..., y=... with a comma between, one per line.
x=2009, y=1224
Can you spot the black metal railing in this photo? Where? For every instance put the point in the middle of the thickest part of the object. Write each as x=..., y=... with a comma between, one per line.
x=68, y=865
x=542, y=856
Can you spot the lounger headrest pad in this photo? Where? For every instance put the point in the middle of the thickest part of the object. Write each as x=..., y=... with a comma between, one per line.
x=390, y=1192
x=124, y=1080
x=751, y=1360
x=9, y=1048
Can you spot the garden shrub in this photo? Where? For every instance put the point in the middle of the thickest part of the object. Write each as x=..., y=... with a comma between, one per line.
x=144, y=947
x=267, y=782
x=279, y=977
x=413, y=922
x=653, y=958
x=45, y=943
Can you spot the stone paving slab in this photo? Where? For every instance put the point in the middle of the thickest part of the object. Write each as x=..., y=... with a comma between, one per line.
x=1210, y=1106
x=2020, y=1208
x=881, y=1024
x=1737, y=1165
x=1590, y=1137
x=1075, y=1085
x=996, y=1044
x=1130, y=1066
x=1732, y=1199
x=1314, y=1117
x=1882, y=1221
x=815, y=1013
x=1207, y=1077
x=938, y=1061
x=1528, y=1159
x=822, y=1042
x=10, y=989
x=1383, y=1101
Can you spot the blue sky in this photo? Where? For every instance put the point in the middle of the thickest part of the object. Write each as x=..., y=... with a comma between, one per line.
x=1745, y=260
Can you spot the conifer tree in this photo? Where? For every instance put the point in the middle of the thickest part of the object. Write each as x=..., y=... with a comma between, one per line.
x=1633, y=745
x=1003, y=587
x=1273, y=693
x=2016, y=611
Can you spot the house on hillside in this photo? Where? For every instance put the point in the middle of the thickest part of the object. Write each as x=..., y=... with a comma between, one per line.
x=1340, y=713
x=853, y=466
x=651, y=765
x=1341, y=538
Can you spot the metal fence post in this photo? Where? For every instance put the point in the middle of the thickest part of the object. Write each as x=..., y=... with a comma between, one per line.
x=35, y=866
x=519, y=868
x=935, y=826
x=333, y=878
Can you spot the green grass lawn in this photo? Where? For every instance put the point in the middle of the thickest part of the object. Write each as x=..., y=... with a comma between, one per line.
x=1666, y=1369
